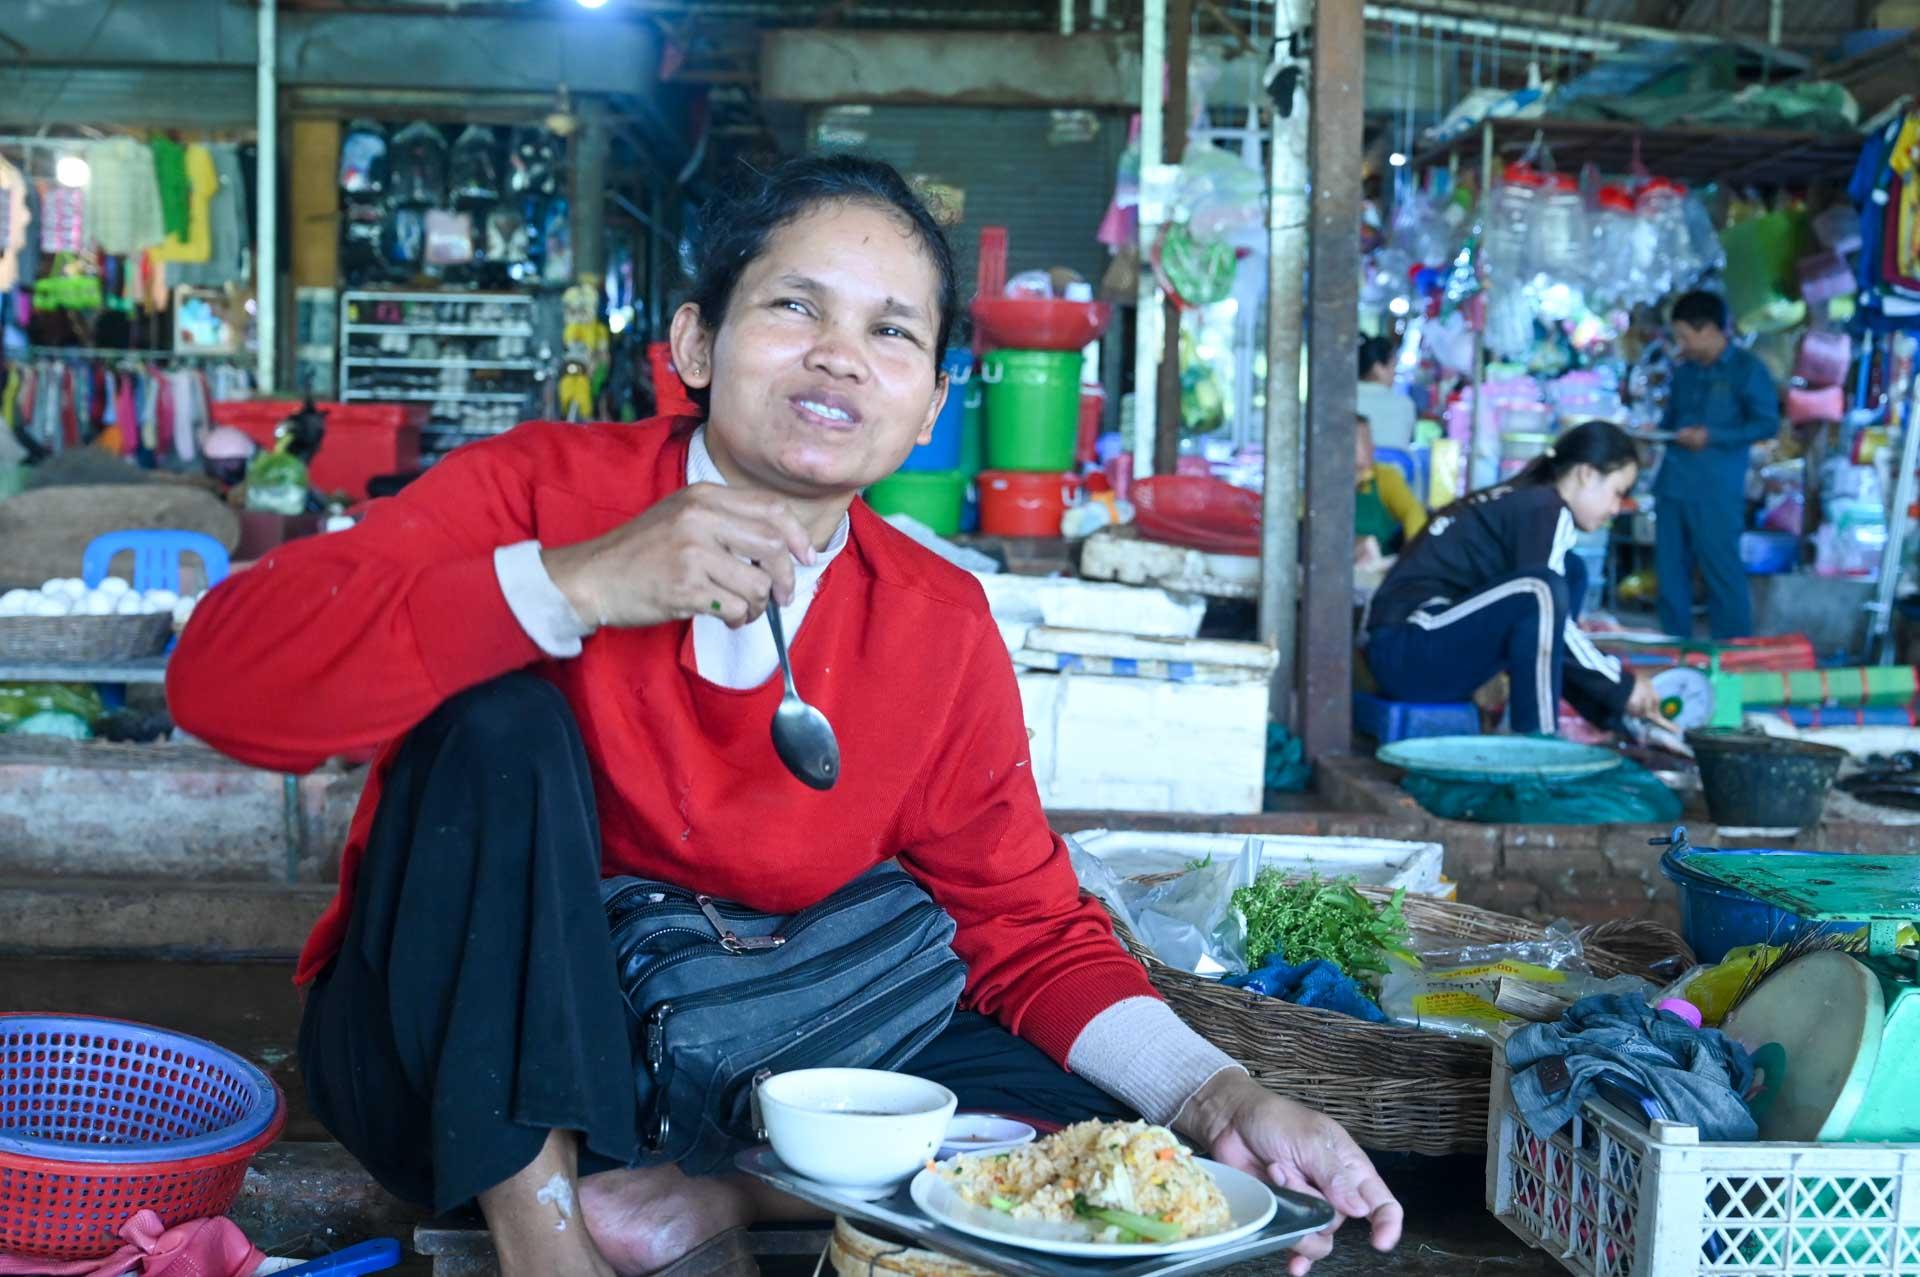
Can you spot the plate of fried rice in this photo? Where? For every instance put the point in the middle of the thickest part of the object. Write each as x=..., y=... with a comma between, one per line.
x=1096, y=1190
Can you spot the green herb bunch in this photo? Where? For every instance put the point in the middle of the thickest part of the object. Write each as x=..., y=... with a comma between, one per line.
x=1315, y=918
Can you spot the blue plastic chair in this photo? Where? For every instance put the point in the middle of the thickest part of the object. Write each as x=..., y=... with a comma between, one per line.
x=1399, y=457
x=156, y=557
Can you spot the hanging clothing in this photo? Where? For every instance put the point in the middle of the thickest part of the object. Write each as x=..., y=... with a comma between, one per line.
x=124, y=197
x=225, y=261
x=170, y=179
x=63, y=218
x=195, y=244
x=13, y=212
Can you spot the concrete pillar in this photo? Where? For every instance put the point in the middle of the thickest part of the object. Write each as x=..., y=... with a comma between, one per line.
x=590, y=146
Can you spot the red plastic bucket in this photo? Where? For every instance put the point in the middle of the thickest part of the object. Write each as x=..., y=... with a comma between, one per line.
x=1023, y=503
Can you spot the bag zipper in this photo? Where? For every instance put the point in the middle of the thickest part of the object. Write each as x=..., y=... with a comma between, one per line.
x=809, y=972
x=849, y=1028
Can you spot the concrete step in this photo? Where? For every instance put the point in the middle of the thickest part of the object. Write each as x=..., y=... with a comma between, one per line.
x=93, y=808
x=156, y=918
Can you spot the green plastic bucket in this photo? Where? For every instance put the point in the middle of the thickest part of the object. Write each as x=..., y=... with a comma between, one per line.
x=934, y=497
x=1033, y=409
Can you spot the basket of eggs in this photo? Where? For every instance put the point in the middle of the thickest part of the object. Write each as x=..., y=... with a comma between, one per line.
x=65, y=620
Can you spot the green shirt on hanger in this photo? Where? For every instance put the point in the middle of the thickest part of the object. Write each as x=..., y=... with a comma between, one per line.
x=170, y=174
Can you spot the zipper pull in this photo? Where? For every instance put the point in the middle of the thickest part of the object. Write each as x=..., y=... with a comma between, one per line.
x=729, y=940
x=657, y=1036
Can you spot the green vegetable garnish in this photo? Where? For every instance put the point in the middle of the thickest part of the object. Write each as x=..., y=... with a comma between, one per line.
x=1000, y=1203
x=1310, y=919
x=1153, y=1230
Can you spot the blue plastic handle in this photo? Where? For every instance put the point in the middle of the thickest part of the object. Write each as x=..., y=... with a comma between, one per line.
x=366, y=1257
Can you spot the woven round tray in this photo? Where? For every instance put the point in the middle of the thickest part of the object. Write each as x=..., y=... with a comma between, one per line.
x=1396, y=1089
x=854, y=1252
x=83, y=638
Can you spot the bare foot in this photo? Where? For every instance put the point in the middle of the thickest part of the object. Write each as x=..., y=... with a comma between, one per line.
x=644, y=1220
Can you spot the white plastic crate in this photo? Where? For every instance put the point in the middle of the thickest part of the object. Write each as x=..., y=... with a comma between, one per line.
x=1613, y=1199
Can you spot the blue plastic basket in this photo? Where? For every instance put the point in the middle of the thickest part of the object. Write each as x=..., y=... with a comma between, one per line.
x=90, y=1090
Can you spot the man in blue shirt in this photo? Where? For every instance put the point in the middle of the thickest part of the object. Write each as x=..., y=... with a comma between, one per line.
x=1722, y=401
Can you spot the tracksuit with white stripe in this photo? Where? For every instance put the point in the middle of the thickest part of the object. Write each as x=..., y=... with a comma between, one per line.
x=1492, y=585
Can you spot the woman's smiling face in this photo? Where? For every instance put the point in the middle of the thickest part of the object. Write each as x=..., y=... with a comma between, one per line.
x=824, y=372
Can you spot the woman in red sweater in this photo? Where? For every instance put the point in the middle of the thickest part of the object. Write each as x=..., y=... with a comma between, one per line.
x=551, y=636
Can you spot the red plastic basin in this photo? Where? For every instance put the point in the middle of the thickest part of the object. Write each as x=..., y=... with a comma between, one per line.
x=1039, y=323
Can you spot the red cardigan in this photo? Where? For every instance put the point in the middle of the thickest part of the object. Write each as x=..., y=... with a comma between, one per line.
x=346, y=641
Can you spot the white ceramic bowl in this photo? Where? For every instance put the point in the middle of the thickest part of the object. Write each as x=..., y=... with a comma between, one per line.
x=854, y=1128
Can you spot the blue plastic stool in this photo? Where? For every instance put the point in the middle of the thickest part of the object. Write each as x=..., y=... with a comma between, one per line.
x=156, y=557
x=1397, y=457
x=1387, y=721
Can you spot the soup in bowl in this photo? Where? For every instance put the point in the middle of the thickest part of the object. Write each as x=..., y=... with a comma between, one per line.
x=858, y=1129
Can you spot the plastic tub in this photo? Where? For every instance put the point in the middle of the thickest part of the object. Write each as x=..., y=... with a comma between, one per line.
x=362, y=440
x=1019, y=503
x=1033, y=409
x=934, y=497
x=945, y=451
x=1768, y=553
x=1755, y=780
x=1716, y=918
x=1198, y=511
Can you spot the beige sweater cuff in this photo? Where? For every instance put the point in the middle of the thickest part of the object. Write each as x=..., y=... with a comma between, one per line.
x=1140, y=1052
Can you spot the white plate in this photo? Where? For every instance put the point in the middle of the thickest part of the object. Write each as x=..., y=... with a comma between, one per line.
x=983, y=1133
x=1249, y=1203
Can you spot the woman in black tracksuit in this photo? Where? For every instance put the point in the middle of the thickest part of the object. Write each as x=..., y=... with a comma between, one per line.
x=1492, y=585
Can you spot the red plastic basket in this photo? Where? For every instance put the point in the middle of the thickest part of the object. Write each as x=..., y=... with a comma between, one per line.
x=89, y=1110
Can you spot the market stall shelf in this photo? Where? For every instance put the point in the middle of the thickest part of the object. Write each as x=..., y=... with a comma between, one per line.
x=1751, y=157
x=145, y=669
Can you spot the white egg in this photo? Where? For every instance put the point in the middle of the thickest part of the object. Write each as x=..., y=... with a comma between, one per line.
x=67, y=586
x=19, y=597
x=10, y=606
x=183, y=611
x=113, y=585
x=58, y=605
x=160, y=600
x=96, y=604
x=130, y=605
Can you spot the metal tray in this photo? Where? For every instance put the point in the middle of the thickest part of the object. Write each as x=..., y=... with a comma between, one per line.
x=1296, y=1216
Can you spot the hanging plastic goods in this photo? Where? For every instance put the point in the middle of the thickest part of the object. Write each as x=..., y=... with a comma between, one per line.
x=1614, y=232
x=1557, y=238
x=1663, y=205
x=417, y=160
x=363, y=158
x=1471, y=992
x=1506, y=222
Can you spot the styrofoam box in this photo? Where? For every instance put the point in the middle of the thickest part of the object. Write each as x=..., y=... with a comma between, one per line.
x=1135, y=744
x=1071, y=603
x=1377, y=862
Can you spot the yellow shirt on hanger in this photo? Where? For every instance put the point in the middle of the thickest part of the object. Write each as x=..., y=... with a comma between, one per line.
x=203, y=183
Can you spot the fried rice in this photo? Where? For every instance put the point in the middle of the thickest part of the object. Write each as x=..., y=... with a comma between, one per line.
x=1129, y=1166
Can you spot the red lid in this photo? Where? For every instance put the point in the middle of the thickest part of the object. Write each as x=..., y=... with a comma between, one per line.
x=1522, y=174
x=1616, y=198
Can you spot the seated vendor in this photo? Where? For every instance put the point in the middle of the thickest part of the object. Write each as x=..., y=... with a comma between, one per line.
x=1386, y=514
x=1493, y=585
x=556, y=640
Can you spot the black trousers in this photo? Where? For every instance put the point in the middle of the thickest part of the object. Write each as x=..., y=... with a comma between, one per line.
x=474, y=1008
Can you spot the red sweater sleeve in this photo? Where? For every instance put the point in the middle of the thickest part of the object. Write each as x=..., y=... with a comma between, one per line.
x=1042, y=958
x=344, y=641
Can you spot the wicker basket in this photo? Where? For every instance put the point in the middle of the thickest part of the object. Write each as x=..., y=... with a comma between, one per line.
x=1396, y=1089
x=83, y=638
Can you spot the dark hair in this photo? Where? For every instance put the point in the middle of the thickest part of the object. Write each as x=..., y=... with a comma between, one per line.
x=733, y=228
x=1700, y=308
x=1373, y=351
x=1600, y=444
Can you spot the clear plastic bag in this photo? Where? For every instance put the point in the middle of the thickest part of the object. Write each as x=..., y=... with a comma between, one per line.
x=473, y=172
x=1505, y=224
x=1557, y=237
x=1458, y=990
x=1188, y=921
x=417, y=159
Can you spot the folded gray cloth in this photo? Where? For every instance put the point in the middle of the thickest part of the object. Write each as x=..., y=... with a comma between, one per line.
x=1698, y=1075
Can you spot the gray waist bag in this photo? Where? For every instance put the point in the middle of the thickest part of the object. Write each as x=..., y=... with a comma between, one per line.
x=720, y=994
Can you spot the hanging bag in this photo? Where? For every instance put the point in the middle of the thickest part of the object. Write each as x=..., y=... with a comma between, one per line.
x=720, y=993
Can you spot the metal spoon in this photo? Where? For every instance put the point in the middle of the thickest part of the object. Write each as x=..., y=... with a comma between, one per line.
x=802, y=736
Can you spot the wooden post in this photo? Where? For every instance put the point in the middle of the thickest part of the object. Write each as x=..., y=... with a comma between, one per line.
x=1173, y=146
x=1337, y=85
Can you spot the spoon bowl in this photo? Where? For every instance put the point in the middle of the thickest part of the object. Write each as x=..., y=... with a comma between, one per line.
x=802, y=736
